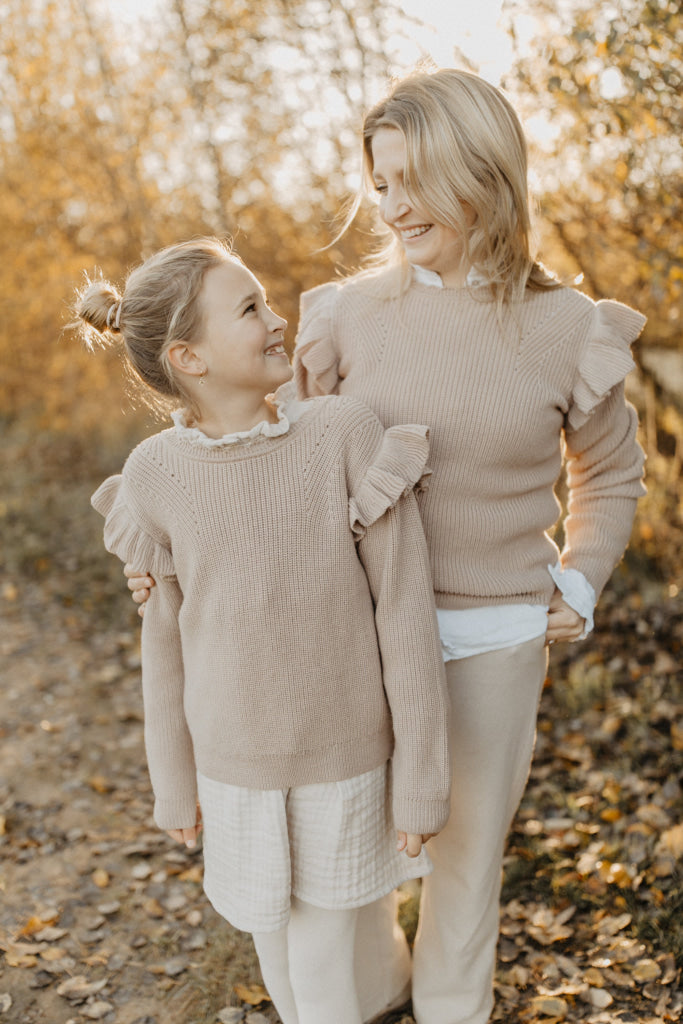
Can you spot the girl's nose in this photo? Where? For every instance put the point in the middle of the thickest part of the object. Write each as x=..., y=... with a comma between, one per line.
x=278, y=323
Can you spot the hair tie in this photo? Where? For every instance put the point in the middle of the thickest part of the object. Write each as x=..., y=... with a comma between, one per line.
x=116, y=305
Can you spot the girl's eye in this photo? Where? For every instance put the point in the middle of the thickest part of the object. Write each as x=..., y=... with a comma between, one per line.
x=381, y=189
x=251, y=308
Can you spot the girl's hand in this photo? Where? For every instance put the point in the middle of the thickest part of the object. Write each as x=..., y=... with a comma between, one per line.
x=411, y=843
x=563, y=622
x=188, y=836
x=140, y=584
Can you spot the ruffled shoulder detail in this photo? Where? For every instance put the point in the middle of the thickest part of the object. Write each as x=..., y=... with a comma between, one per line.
x=316, y=364
x=399, y=467
x=123, y=537
x=606, y=358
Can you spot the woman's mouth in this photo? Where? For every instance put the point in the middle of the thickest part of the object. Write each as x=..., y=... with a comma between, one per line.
x=407, y=234
x=275, y=350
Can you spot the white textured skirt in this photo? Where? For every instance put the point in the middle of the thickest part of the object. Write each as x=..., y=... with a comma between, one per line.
x=330, y=844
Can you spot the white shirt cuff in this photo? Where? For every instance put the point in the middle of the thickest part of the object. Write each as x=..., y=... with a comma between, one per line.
x=577, y=592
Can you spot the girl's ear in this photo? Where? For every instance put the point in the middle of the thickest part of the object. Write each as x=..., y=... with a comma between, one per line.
x=183, y=357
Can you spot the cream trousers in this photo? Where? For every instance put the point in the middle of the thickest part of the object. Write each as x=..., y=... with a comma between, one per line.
x=493, y=726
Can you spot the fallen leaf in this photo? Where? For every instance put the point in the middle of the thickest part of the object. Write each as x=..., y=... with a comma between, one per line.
x=97, y=1010
x=36, y=924
x=672, y=841
x=79, y=988
x=100, y=877
x=550, y=1006
x=251, y=994
x=599, y=998
x=153, y=908
x=100, y=784
x=53, y=953
x=646, y=970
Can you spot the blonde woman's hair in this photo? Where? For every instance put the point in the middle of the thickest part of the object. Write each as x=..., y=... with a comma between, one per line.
x=464, y=144
x=159, y=306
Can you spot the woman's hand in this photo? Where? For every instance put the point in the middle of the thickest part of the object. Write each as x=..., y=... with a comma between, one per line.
x=411, y=842
x=563, y=622
x=188, y=836
x=140, y=583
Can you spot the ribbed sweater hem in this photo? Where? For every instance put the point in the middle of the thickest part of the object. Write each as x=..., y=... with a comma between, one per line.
x=456, y=602
x=282, y=770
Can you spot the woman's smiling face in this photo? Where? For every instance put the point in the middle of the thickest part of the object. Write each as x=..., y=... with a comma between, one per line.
x=426, y=242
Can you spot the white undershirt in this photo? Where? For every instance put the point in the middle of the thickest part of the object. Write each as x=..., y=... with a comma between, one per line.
x=469, y=631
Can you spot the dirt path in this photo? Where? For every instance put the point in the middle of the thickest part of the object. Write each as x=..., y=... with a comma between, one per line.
x=103, y=918
x=90, y=888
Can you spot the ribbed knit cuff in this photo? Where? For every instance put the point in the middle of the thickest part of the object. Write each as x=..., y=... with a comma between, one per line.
x=419, y=816
x=177, y=812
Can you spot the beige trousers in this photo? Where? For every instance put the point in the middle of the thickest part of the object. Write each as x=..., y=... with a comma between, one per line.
x=493, y=725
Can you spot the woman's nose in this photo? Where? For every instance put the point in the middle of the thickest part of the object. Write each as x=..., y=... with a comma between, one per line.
x=394, y=206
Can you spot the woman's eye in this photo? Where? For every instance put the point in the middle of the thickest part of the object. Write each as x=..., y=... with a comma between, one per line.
x=381, y=189
x=251, y=308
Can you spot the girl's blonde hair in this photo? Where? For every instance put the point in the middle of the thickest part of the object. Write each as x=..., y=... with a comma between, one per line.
x=464, y=144
x=159, y=306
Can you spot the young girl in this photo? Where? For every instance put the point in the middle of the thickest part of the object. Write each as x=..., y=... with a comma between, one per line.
x=290, y=643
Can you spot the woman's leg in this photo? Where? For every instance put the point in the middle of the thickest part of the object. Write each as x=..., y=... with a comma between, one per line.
x=494, y=704
x=382, y=958
x=320, y=944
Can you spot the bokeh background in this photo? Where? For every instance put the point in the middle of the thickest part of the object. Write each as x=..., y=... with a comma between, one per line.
x=127, y=126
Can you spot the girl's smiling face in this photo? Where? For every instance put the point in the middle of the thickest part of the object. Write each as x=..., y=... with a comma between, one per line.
x=426, y=242
x=242, y=344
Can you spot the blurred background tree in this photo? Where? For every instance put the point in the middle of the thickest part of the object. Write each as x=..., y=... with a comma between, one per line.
x=122, y=134
x=601, y=86
x=606, y=80
x=117, y=137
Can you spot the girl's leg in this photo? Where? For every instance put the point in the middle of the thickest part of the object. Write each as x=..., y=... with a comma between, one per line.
x=494, y=704
x=273, y=954
x=321, y=970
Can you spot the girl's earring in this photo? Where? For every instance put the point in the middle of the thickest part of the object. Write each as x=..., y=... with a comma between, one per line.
x=202, y=376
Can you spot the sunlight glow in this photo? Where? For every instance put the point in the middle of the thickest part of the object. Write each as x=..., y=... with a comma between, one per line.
x=457, y=29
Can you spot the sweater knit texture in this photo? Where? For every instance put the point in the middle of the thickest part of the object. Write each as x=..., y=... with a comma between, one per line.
x=292, y=636
x=500, y=403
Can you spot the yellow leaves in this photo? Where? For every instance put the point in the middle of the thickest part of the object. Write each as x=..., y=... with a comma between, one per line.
x=37, y=924
x=100, y=877
x=254, y=995
x=100, y=784
x=621, y=171
x=617, y=874
x=677, y=734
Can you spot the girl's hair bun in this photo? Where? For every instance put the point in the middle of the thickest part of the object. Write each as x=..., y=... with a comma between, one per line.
x=98, y=307
x=114, y=316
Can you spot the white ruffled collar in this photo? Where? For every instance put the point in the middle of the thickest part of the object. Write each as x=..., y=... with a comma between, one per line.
x=288, y=412
x=430, y=277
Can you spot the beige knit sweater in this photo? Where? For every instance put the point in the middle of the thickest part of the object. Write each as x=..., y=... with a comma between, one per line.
x=291, y=637
x=499, y=404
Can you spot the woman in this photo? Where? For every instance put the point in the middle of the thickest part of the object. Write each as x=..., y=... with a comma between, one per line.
x=458, y=327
